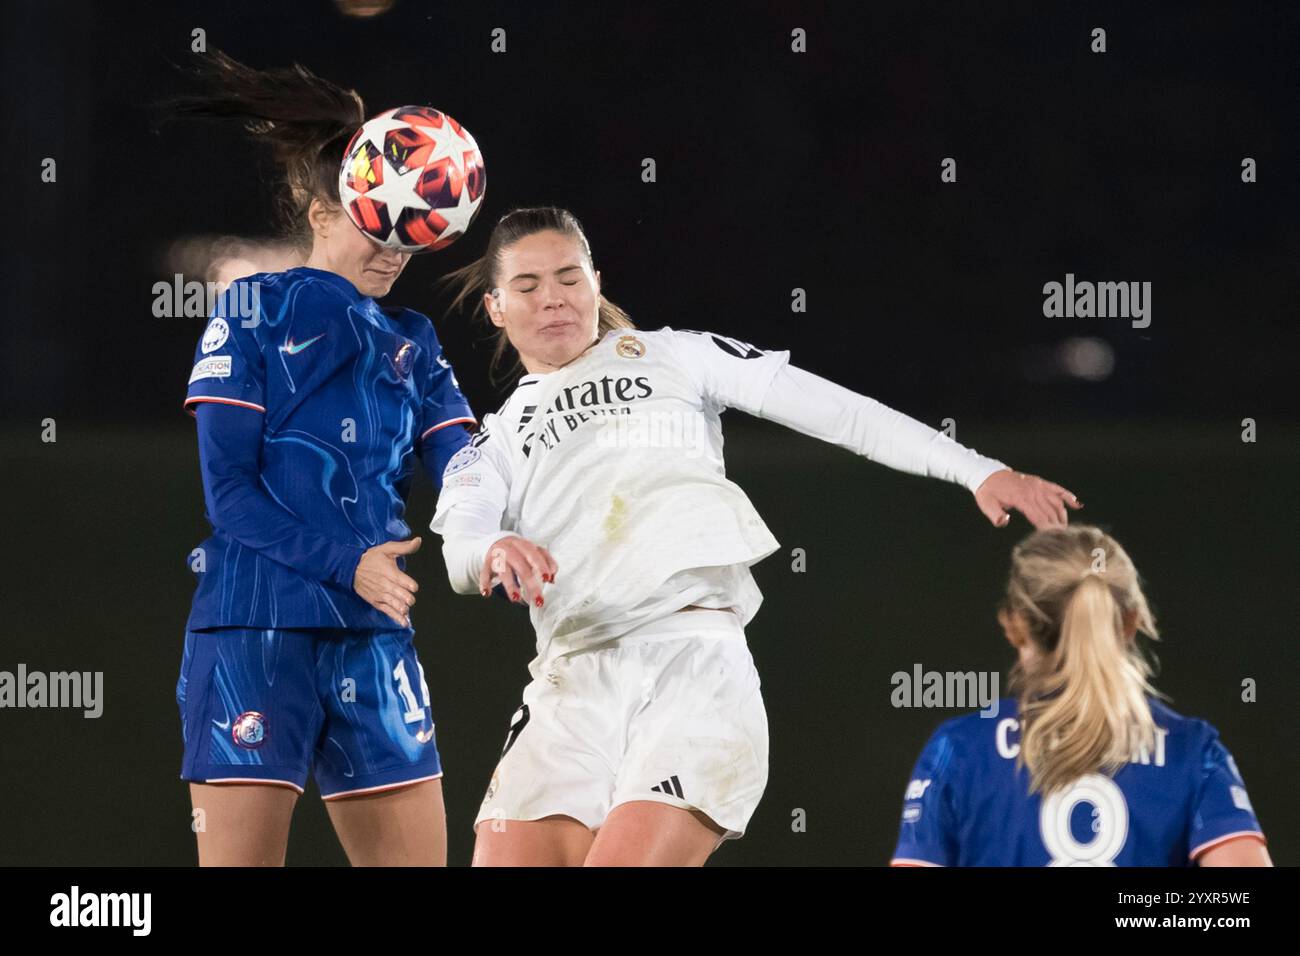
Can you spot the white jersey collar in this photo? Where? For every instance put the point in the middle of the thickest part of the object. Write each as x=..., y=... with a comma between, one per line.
x=532, y=378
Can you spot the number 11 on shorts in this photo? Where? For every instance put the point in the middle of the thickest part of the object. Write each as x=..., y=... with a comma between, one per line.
x=414, y=712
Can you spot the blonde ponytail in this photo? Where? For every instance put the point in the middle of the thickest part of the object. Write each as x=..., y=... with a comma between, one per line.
x=1083, y=694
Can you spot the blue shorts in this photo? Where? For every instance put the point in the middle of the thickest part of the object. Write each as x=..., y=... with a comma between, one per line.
x=351, y=706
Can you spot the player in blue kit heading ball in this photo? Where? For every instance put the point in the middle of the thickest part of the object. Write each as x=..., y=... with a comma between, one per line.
x=311, y=410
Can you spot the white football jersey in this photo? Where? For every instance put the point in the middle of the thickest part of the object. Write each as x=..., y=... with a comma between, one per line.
x=614, y=464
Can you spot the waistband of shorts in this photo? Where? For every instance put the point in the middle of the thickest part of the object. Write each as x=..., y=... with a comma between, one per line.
x=684, y=623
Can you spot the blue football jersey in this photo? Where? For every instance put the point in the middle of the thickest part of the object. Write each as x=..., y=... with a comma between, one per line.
x=967, y=804
x=348, y=390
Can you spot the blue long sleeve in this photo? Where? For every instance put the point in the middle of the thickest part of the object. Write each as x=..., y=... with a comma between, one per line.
x=437, y=449
x=230, y=442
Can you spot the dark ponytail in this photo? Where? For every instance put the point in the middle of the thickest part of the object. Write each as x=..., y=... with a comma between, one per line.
x=482, y=274
x=305, y=121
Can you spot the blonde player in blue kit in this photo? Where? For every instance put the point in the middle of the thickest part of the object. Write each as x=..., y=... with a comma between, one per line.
x=598, y=495
x=1085, y=766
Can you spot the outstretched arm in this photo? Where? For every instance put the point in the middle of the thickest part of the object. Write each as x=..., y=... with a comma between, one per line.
x=735, y=374
x=818, y=407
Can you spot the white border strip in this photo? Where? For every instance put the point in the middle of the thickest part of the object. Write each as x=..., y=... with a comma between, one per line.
x=382, y=786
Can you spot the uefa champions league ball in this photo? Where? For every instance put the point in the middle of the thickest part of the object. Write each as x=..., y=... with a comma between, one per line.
x=412, y=179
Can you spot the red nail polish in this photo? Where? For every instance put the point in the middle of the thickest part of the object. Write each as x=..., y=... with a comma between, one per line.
x=514, y=595
x=538, y=602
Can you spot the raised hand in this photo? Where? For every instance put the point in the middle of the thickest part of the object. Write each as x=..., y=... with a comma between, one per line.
x=1041, y=501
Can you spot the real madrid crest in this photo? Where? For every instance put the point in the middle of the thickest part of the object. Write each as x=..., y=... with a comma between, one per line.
x=629, y=346
x=492, y=788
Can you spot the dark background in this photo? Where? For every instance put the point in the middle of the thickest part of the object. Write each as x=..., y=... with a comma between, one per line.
x=776, y=170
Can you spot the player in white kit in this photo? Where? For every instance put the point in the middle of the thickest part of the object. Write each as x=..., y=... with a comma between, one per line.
x=597, y=494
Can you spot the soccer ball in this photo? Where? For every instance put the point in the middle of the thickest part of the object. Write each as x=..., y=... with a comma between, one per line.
x=412, y=179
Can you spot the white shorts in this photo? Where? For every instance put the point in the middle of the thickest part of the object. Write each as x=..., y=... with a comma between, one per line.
x=669, y=712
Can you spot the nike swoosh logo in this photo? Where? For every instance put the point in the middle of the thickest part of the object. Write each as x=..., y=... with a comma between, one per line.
x=293, y=349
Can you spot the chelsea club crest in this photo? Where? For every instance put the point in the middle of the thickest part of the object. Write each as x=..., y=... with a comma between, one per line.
x=403, y=359
x=249, y=730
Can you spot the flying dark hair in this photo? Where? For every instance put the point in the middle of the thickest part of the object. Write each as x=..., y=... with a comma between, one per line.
x=304, y=120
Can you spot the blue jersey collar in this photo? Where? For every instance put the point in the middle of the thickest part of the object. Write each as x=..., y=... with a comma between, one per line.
x=340, y=283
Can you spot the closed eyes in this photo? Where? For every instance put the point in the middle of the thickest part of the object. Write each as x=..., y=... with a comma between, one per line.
x=534, y=288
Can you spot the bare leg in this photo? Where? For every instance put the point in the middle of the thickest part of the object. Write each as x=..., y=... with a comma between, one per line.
x=242, y=824
x=551, y=841
x=405, y=826
x=649, y=833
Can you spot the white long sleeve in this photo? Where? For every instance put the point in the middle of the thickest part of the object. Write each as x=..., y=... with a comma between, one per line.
x=822, y=409
x=614, y=464
x=470, y=511
x=464, y=551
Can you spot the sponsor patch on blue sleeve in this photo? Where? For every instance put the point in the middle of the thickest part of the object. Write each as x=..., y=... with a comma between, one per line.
x=214, y=366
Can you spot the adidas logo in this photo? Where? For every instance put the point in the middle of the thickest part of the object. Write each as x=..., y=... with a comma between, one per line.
x=671, y=786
